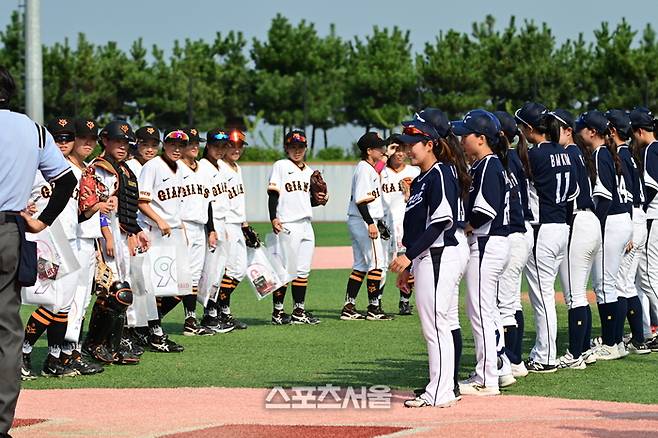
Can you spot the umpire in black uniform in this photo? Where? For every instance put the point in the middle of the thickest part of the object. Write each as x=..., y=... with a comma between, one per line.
x=25, y=148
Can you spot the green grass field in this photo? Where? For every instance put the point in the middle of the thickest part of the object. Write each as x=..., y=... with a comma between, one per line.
x=342, y=353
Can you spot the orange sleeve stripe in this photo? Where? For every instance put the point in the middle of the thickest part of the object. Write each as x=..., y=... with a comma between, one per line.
x=365, y=200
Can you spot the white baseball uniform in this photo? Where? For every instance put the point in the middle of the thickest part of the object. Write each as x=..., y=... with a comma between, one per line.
x=294, y=211
x=236, y=265
x=366, y=188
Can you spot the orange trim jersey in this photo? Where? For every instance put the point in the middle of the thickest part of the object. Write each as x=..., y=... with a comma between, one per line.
x=366, y=188
x=163, y=188
x=293, y=185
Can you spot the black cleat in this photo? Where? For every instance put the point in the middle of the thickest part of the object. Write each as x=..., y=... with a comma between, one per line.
x=99, y=353
x=191, y=328
x=127, y=344
x=349, y=313
x=228, y=318
x=301, y=316
x=405, y=308
x=279, y=317
x=375, y=313
x=52, y=367
x=162, y=344
x=26, y=368
x=216, y=325
x=80, y=365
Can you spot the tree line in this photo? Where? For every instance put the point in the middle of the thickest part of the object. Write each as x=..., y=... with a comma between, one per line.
x=296, y=77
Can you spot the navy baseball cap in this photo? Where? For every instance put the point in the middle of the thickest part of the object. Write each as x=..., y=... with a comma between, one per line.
x=118, y=130
x=417, y=130
x=507, y=123
x=620, y=121
x=193, y=133
x=564, y=117
x=148, y=133
x=86, y=128
x=176, y=136
x=437, y=119
x=371, y=140
x=479, y=122
x=530, y=114
x=642, y=117
x=295, y=136
x=593, y=119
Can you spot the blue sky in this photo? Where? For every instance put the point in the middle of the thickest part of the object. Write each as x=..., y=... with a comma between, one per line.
x=163, y=21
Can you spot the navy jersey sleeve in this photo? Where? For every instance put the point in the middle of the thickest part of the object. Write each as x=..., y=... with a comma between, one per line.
x=574, y=189
x=438, y=206
x=605, y=177
x=490, y=193
x=651, y=172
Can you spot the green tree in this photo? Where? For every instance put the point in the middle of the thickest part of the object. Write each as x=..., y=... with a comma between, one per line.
x=12, y=56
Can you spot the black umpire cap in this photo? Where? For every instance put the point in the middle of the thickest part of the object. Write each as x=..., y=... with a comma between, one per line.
x=118, y=130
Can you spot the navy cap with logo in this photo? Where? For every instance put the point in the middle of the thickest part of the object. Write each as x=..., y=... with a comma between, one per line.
x=530, y=114
x=295, y=136
x=118, y=130
x=642, y=117
x=479, y=122
x=175, y=135
x=594, y=120
x=61, y=126
x=86, y=128
x=236, y=136
x=417, y=130
x=507, y=123
x=564, y=117
x=437, y=119
x=216, y=136
x=193, y=133
x=148, y=132
x=620, y=121
x=371, y=140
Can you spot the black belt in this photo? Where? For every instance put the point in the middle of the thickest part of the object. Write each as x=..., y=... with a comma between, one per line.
x=9, y=216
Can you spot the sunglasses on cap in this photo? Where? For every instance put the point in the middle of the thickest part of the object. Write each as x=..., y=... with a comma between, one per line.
x=64, y=138
x=297, y=138
x=412, y=130
x=237, y=136
x=177, y=135
x=220, y=136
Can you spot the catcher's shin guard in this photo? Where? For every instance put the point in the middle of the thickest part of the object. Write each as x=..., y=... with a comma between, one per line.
x=100, y=327
x=120, y=296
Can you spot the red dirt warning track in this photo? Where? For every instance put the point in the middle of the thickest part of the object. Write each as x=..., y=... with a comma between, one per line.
x=237, y=412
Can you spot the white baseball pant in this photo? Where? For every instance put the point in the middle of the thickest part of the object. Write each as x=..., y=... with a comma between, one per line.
x=509, y=284
x=196, y=247
x=368, y=253
x=584, y=243
x=437, y=272
x=82, y=296
x=618, y=231
x=302, y=244
x=66, y=286
x=549, y=250
x=462, y=252
x=236, y=264
x=487, y=261
x=648, y=268
x=631, y=259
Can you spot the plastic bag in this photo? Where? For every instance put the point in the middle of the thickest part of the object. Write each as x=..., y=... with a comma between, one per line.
x=213, y=271
x=168, y=265
x=262, y=272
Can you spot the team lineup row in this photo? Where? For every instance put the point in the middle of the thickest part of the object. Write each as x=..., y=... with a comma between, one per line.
x=468, y=205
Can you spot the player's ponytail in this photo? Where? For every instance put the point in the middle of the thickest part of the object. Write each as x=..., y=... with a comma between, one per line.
x=500, y=146
x=549, y=125
x=522, y=150
x=447, y=150
x=612, y=147
x=588, y=158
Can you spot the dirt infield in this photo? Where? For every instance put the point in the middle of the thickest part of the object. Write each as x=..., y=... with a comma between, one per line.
x=236, y=412
x=332, y=257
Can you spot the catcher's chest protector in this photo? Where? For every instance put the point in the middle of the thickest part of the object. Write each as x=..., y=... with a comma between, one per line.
x=128, y=193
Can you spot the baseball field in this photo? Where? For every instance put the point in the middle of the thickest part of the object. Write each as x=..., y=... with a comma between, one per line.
x=356, y=353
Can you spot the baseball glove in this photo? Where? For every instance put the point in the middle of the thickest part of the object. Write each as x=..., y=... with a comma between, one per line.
x=104, y=277
x=91, y=190
x=318, y=185
x=251, y=237
x=384, y=232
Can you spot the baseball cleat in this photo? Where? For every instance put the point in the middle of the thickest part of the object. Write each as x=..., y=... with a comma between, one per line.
x=405, y=309
x=99, y=353
x=127, y=344
x=568, y=361
x=52, y=367
x=26, y=368
x=607, y=352
x=213, y=323
x=652, y=344
x=596, y=342
x=420, y=402
x=536, y=367
x=622, y=349
x=519, y=370
x=375, y=313
x=638, y=347
x=349, y=313
x=589, y=357
x=191, y=328
x=458, y=394
x=279, y=317
x=477, y=389
x=506, y=380
x=162, y=344
x=229, y=318
x=80, y=365
x=301, y=316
